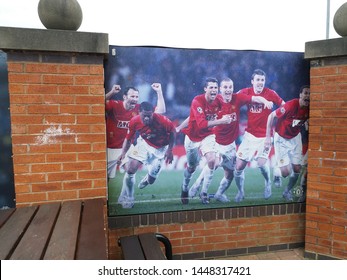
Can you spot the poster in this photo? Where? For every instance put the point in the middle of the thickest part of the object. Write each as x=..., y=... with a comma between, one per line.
x=181, y=74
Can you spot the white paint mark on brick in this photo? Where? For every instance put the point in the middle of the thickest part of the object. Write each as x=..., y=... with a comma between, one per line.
x=52, y=135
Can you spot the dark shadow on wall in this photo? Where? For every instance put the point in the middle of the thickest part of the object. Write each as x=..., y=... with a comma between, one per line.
x=7, y=194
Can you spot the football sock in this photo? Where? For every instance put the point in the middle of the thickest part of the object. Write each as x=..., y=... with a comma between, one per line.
x=208, y=174
x=223, y=185
x=200, y=179
x=239, y=176
x=186, y=179
x=293, y=178
x=265, y=171
x=128, y=183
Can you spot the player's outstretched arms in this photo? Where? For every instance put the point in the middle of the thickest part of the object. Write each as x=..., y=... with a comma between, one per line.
x=225, y=119
x=182, y=125
x=259, y=99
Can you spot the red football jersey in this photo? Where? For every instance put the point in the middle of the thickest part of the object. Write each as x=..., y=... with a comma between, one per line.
x=117, y=122
x=156, y=135
x=228, y=133
x=200, y=113
x=257, y=114
x=291, y=119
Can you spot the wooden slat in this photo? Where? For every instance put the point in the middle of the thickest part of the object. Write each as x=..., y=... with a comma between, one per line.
x=150, y=246
x=92, y=237
x=131, y=248
x=64, y=237
x=5, y=214
x=12, y=231
x=35, y=239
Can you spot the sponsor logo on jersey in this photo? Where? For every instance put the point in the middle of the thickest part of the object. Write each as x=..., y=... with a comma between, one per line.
x=256, y=108
x=297, y=123
x=123, y=124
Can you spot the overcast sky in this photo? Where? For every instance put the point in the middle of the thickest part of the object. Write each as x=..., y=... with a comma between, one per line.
x=279, y=25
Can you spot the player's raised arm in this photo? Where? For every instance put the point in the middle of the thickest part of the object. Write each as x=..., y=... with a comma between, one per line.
x=161, y=107
x=115, y=89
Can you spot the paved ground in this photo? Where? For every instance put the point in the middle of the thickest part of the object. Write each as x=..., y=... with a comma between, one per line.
x=295, y=254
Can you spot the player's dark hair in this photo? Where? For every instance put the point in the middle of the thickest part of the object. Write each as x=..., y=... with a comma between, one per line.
x=302, y=88
x=126, y=90
x=146, y=106
x=258, y=72
x=210, y=80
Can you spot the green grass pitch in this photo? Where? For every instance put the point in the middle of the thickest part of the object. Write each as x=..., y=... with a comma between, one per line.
x=164, y=194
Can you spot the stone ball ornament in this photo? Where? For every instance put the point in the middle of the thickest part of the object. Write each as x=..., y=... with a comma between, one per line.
x=60, y=14
x=340, y=20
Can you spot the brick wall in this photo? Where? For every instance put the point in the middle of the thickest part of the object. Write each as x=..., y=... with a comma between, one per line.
x=218, y=232
x=58, y=126
x=326, y=205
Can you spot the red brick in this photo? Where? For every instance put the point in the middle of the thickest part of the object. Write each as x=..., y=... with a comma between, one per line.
x=73, y=89
x=44, y=168
x=40, y=68
x=100, y=183
x=47, y=187
x=61, y=157
x=89, y=193
x=58, y=99
x=76, y=185
x=16, y=89
x=60, y=119
x=24, y=78
x=26, y=99
x=73, y=109
x=15, y=67
x=30, y=197
x=68, y=147
x=324, y=71
x=62, y=195
x=89, y=80
x=100, y=165
x=91, y=174
x=90, y=100
x=61, y=176
x=73, y=69
x=57, y=79
x=96, y=69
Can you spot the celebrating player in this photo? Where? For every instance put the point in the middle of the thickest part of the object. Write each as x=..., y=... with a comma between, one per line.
x=226, y=135
x=291, y=117
x=254, y=138
x=154, y=145
x=118, y=115
x=200, y=138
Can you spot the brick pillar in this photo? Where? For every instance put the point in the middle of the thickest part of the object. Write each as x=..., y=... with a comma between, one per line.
x=56, y=87
x=326, y=204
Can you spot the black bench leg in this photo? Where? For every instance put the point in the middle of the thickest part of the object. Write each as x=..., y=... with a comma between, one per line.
x=167, y=244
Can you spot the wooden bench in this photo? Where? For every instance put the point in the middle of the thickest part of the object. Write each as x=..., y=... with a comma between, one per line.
x=145, y=246
x=54, y=231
